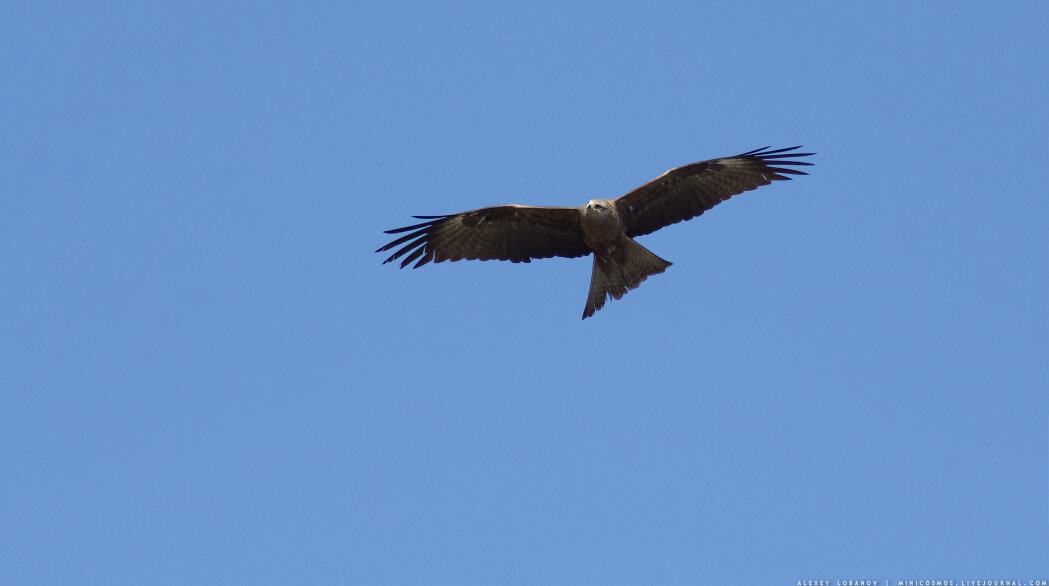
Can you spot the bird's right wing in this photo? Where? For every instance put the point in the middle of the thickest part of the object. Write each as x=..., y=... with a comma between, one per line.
x=688, y=191
x=512, y=232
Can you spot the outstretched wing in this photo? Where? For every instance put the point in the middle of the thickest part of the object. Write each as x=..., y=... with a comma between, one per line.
x=688, y=191
x=515, y=233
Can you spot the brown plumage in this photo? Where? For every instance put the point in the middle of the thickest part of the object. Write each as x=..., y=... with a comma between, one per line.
x=603, y=227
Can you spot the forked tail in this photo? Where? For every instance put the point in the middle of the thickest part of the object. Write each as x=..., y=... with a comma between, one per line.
x=620, y=272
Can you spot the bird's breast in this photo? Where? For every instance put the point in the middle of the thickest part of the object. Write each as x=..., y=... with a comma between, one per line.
x=601, y=228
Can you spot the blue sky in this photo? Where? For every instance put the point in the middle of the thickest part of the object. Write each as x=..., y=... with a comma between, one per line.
x=210, y=378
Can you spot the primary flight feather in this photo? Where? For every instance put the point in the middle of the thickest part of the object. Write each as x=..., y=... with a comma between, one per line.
x=604, y=227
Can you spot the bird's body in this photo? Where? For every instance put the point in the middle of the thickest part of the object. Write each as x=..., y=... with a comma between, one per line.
x=620, y=264
x=604, y=227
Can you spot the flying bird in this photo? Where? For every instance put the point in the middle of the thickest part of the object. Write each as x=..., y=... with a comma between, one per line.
x=604, y=227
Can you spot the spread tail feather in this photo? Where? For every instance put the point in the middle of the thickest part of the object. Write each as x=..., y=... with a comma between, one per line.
x=620, y=272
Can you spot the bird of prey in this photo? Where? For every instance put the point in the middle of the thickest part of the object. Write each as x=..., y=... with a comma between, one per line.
x=604, y=227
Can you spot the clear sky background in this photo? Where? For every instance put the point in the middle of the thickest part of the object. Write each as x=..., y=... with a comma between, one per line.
x=209, y=377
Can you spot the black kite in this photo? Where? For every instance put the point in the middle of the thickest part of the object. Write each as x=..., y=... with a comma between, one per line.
x=605, y=227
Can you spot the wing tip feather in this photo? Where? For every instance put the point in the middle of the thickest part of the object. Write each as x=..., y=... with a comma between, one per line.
x=416, y=242
x=765, y=154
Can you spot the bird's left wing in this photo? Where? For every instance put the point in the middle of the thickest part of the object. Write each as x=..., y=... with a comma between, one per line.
x=512, y=232
x=688, y=191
